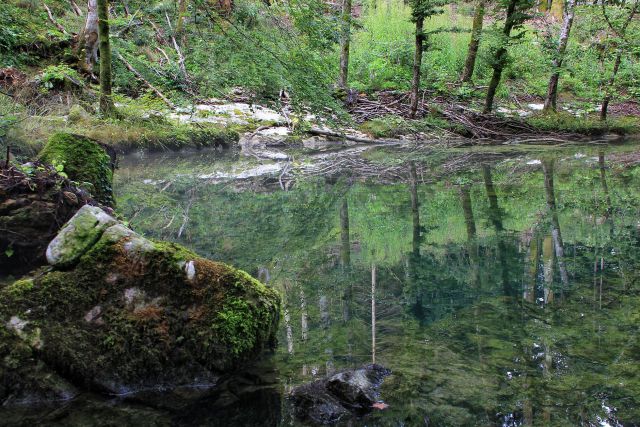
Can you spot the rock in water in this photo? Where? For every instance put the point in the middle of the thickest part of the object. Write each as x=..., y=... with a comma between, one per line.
x=83, y=160
x=342, y=395
x=119, y=313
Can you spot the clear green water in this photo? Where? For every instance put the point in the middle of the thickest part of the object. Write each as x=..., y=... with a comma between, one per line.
x=490, y=305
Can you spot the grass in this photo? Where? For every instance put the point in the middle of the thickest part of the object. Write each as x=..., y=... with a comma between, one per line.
x=138, y=127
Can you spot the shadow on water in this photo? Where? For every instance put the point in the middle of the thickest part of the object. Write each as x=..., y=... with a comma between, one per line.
x=506, y=293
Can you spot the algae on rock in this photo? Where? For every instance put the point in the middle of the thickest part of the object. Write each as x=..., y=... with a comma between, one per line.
x=134, y=313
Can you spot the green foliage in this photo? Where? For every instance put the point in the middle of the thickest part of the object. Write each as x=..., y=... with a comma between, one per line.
x=25, y=34
x=586, y=125
x=56, y=76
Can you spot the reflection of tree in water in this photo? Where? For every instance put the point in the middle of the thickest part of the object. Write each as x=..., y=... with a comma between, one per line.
x=461, y=352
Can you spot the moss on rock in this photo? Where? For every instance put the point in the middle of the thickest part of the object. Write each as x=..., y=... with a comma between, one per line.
x=134, y=313
x=84, y=161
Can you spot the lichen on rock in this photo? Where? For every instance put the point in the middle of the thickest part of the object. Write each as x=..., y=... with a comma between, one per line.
x=122, y=312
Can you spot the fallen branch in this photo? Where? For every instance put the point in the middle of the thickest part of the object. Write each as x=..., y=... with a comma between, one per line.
x=146, y=82
x=322, y=132
x=53, y=20
x=181, y=59
x=76, y=8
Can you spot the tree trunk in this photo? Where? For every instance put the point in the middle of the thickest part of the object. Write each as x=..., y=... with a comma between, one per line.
x=465, y=197
x=345, y=246
x=89, y=35
x=552, y=91
x=107, y=108
x=415, y=208
x=182, y=12
x=417, y=63
x=495, y=215
x=620, y=33
x=373, y=313
x=476, y=33
x=607, y=96
x=501, y=56
x=345, y=39
x=547, y=168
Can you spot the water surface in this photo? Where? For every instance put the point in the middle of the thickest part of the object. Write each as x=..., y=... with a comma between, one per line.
x=501, y=287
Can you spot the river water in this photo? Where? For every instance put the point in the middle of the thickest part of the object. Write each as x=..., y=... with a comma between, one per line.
x=500, y=286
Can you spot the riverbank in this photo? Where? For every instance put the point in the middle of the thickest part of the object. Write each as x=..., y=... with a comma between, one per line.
x=220, y=123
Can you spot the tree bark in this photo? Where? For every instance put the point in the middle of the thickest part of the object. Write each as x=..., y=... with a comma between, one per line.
x=476, y=33
x=501, y=57
x=106, y=101
x=89, y=35
x=417, y=64
x=345, y=40
x=552, y=90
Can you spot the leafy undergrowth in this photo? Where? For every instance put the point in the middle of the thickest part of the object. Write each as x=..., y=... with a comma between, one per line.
x=588, y=125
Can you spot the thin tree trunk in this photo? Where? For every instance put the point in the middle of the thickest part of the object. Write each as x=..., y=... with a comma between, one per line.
x=465, y=197
x=616, y=66
x=494, y=209
x=531, y=269
x=552, y=90
x=612, y=79
x=417, y=64
x=106, y=102
x=415, y=208
x=476, y=33
x=304, y=317
x=345, y=40
x=345, y=247
x=603, y=181
x=373, y=313
x=501, y=57
x=547, y=167
x=472, y=244
x=496, y=218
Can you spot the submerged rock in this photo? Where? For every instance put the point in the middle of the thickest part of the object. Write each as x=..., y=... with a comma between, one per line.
x=347, y=393
x=119, y=313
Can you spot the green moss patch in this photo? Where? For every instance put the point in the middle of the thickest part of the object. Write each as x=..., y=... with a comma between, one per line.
x=82, y=160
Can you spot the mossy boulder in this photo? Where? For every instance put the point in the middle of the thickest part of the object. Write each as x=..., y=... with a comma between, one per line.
x=83, y=160
x=126, y=313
